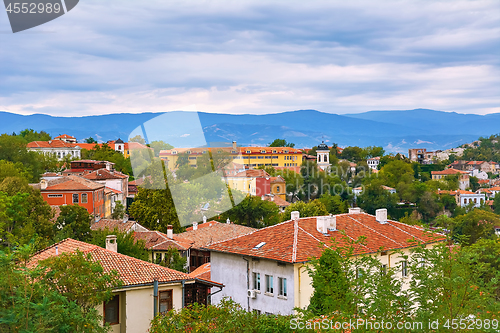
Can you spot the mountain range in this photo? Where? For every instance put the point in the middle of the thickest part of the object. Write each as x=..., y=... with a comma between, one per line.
x=396, y=131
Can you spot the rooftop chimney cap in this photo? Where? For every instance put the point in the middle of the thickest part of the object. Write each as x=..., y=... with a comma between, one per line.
x=111, y=243
x=170, y=231
x=355, y=210
x=295, y=215
x=381, y=215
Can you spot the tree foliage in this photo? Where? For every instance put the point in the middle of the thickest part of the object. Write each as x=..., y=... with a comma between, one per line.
x=127, y=244
x=73, y=222
x=312, y=208
x=281, y=143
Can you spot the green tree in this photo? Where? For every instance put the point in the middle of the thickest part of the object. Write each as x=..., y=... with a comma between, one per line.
x=30, y=135
x=159, y=145
x=90, y=140
x=474, y=184
x=334, y=204
x=119, y=211
x=476, y=224
x=353, y=154
x=397, y=171
x=138, y=138
x=51, y=297
x=173, y=260
x=281, y=143
x=73, y=222
x=253, y=212
x=106, y=153
x=374, y=197
x=312, y=208
x=127, y=244
x=496, y=204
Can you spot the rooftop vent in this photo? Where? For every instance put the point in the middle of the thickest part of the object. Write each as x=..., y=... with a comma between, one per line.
x=195, y=225
x=326, y=223
x=111, y=243
x=381, y=215
x=170, y=231
x=295, y=215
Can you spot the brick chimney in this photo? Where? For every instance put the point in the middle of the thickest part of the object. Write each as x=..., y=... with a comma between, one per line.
x=381, y=215
x=111, y=243
x=170, y=231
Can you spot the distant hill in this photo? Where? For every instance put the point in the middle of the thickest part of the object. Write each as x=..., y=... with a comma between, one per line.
x=396, y=131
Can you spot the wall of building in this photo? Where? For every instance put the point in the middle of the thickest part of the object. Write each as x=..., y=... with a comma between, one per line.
x=231, y=270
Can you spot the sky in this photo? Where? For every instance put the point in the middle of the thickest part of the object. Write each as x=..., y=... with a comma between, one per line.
x=255, y=57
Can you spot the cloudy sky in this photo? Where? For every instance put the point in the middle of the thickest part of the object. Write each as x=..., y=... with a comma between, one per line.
x=255, y=57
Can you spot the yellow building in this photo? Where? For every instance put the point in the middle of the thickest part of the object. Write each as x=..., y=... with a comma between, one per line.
x=250, y=157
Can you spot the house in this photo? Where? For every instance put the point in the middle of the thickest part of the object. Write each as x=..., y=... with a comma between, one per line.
x=358, y=190
x=66, y=138
x=373, y=162
x=133, y=304
x=266, y=271
x=282, y=204
x=494, y=191
x=114, y=180
x=126, y=148
x=465, y=198
x=278, y=187
x=73, y=190
x=254, y=182
x=250, y=157
x=58, y=148
x=191, y=243
x=480, y=175
x=81, y=167
x=463, y=176
x=421, y=155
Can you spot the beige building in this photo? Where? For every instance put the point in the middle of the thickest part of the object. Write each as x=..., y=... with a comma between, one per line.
x=133, y=304
x=266, y=271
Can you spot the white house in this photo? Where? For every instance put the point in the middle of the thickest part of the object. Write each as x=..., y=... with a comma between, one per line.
x=266, y=271
x=373, y=163
x=58, y=148
x=465, y=198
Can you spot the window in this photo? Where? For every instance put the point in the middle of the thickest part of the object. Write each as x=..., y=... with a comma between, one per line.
x=274, y=151
x=383, y=270
x=111, y=311
x=277, y=189
x=282, y=287
x=84, y=198
x=263, y=151
x=55, y=195
x=165, y=301
x=269, y=284
x=256, y=281
x=75, y=198
x=404, y=268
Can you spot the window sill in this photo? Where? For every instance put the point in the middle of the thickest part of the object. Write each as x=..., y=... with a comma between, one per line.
x=282, y=297
x=269, y=294
x=257, y=291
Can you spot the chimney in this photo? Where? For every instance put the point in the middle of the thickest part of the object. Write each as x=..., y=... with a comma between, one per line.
x=228, y=221
x=355, y=210
x=195, y=225
x=234, y=145
x=381, y=215
x=170, y=231
x=43, y=184
x=295, y=215
x=111, y=243
x=321, y=222
x=332, y=222
x=204, y=219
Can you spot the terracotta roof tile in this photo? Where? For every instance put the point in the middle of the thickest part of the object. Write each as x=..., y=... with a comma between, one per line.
x=110, y=224
x=156, y=240
x=448, y=172
x=215, y=232
x=70, y=183
x=132, y=271
x=277, y=200
x=253, y=173
x=202, y=272
x=103, y=174
x=298, y=241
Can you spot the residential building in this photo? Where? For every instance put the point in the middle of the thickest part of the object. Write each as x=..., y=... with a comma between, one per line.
x=267, y=270
x=81, y=167
x=494, y=191
x=132, y=307
x=126, y=148
x=114, y=180
x=66, y=138
x=277, y=200
x=250, y=157
x=58, y=148
x=358, y=190
x=463, y=176
x=465, y=198
x=74, y=190
x=255, y=182
x=421, y=155
x=278, y=187
x=373, y=162
x=191, y=244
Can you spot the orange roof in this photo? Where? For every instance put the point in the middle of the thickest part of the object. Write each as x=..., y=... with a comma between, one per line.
x=156, y=240
x=88, y=146
x=298, y=241
x=70, y=183
x=202, y=272
x=50, y=144
x=65, y=136
x=448, y=172
x=203, y=225
x=131, y=271
x=253, y=173
x=277, y=200
x=496, y=188
x=103, y=174
x=278, y=179
x=215, y=232
x=110, y=224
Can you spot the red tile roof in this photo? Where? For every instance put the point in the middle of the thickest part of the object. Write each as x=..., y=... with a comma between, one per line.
x=132, y=271
x=65, y=136
x=50, y=144
x=110, y=224
x=215, y=232
x=277, y=200
x=156, y=240
x=253, y=174
x=72, y=183
x=202, y=272
x=103, y=174
x=298, y=241
x=448, y=172
x=278, y=179
x=203, y=225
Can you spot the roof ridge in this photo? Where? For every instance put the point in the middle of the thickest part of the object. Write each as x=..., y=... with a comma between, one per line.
x=60, y=242
x=376, y=231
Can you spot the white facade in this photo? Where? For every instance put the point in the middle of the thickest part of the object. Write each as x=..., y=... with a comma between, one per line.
x=479, y=174
x=465, y=199
x=373, y=163
x=60, y=152
x=231, y=270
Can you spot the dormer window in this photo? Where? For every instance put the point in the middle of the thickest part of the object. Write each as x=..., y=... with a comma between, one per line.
x=274, y=151
x=189, y=152
x=263, y=151
x=248, y=151
x=286, y=151
x=233, y=151
x=174, y=152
